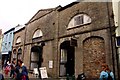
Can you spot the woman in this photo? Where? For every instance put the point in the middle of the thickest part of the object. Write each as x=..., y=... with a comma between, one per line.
x=103, y=74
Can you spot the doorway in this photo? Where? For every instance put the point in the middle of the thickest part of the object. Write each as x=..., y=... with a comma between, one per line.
x=36, y=57
x=67, y=59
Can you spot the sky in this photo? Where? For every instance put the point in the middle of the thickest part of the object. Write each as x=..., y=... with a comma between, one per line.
x=14, y=12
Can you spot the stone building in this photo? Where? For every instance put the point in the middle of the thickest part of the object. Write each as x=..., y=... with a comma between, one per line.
x=73, y=39
x=18, y=42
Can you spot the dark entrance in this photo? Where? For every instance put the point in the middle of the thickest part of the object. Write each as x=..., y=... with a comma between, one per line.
x=67, y=59
x=36, y=57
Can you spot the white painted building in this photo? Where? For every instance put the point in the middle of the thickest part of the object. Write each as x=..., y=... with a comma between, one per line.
x=116, y=11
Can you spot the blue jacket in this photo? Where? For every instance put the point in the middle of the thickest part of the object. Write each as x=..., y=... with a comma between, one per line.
x=112, y=75
x=104, y=75
x=21, y=71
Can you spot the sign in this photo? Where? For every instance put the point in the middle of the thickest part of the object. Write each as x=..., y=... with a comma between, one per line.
x=73, y=42
x=50, y=64
x=43, y=72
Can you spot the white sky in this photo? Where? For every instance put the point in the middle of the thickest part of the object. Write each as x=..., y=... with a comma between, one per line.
x=14, y=12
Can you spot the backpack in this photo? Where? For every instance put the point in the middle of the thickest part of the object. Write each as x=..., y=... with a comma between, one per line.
x=109, y=76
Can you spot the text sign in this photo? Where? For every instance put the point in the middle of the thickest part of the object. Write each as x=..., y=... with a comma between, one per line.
x=43, y=72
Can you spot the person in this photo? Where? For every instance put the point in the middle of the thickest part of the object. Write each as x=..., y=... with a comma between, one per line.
x=103, y=74
x=12, y=72
x=7, y=68
x=1, y=76
x=110, y=73
x=21, y=71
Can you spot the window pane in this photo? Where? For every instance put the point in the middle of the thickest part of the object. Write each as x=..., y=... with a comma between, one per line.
x=33, y=65
x=38, y=33
x=20, y=56
x=79, y=20
x=14, y=55
x=34, y=56
x=18, y=40
x=62, y=70
x=118, y=41
x=63, y=55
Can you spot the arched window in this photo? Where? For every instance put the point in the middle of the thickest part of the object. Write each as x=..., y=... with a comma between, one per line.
x=19, y=53
x=18, y=40
x=78, y=20
x=14, y=54
x=38, y=33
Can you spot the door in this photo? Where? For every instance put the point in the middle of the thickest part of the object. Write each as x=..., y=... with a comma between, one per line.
x=67, y=59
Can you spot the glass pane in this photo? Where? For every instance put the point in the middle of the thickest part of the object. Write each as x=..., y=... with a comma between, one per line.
x=63, y=55
x=33, y=65
x=118, y=41
x=20, y=56
x=34, y=56
x=78, y=20
x=62, y=70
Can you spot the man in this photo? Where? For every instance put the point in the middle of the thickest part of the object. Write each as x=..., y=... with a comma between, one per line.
x=13, y=65
x=21, y=71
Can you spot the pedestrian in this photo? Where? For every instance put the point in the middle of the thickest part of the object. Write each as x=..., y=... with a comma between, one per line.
x=1, y=76
x=110, y=73
x=13, y=65
x=21, y=71
x=103, y=74
x=7, y=68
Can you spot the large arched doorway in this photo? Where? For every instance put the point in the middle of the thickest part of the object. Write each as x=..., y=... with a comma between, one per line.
x=67, y=59
x=36, y=57
x=93, y=56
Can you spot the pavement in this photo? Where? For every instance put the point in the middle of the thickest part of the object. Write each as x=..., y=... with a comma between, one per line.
x=31, y=77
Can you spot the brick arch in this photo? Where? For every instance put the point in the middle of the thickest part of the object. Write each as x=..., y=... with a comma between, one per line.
x=93, y=56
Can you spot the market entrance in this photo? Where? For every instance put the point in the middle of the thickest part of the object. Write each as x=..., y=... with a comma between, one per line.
x=67, y=59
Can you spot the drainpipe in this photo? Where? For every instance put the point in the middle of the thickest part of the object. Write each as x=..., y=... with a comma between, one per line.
x=40, y=58
x=24, y=43
x=111, y=37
